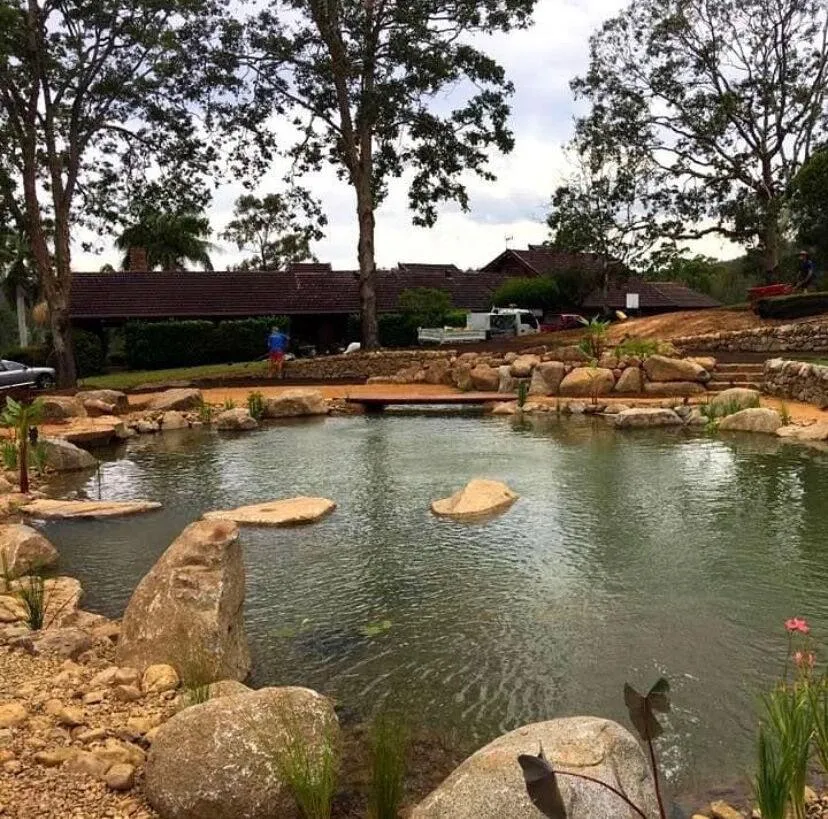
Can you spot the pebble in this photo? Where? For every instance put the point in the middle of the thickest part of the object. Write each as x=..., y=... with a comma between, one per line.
x=12, y=714
x=126, y=676
x=94, y=697
x=721, y=810
x=120, y=777
x=127, y=693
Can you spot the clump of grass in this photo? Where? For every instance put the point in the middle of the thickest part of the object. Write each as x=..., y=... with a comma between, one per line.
x=522, y=393
x=37, y=458
x=229, y=404
x=389, y=737
x=634, y=347
x=818, y=696
x=310, y=769
x=32, y=593
x=784, y=413
x=205, y=412
x=771, y=785
x=256, y=405
x=196, y=675
x=8, y=452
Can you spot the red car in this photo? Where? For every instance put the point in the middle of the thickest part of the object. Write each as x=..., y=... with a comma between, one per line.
x=564, y=321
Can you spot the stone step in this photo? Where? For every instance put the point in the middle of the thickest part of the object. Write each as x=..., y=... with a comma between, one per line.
x=739, y=375
x=745, y=366
x=721, y=386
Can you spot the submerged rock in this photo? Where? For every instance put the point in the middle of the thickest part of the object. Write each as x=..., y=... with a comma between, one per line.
x=23, y=549
x=62, y=509
x=187, y=612
x=490, y=784
x=221, y=759
x=477, y=499
x=287, y=512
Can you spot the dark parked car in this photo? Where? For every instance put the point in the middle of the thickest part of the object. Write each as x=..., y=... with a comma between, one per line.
x=14, y=374
x=564, y=321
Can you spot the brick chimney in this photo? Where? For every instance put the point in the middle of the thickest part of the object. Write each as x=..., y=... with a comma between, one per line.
x=138, y=258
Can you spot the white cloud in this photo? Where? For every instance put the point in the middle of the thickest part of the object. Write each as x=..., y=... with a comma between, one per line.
x=540, y=61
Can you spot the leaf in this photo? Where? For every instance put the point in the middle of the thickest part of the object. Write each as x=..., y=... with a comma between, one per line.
x=375, y=629
x=642, y=709
x=542, y=785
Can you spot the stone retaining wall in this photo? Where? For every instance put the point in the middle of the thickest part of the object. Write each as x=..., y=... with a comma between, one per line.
x=778, y=339
x=359, y=366
x=797, y=380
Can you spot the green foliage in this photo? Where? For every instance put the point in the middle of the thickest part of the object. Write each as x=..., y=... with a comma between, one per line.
x=229, y=404
x=537, y=292
x=21, y=417
x=818, y=701
x=89, y=353
x=37, y=457
x=256, y=405
x=32, y=356
x=309, y=769
x=771, y=785
x=278, y=228
x=784, y=413
x=8, y=452
x=639, y=347
x=810, y=204
x=205, y=412
x=794, y=306
x=595, y=337
x=723, y=121
x=171, y=240
x=522, y=393
x=389, y=738
x=32, y=594
x=424, y=306
x=158, y=345
x=456, y=317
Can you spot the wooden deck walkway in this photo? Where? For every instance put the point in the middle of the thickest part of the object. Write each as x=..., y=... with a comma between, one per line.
x=377, y=403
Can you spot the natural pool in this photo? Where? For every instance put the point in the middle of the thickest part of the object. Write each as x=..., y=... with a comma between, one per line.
x=628, y=556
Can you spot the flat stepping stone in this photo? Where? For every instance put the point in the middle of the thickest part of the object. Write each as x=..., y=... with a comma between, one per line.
x=69, y=509
x=479, y=498
x=286, y=512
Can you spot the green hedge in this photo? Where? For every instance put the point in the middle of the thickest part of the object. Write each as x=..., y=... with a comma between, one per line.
x=35, y=355
x=163, y=344
x=795, y=306
x=538, y=292
x=89, y=353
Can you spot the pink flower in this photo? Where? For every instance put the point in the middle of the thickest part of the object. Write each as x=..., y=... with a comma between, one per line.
x=797, y=624
x=804, y=659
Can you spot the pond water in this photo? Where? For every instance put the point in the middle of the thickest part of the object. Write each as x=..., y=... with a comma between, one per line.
x=628, y=556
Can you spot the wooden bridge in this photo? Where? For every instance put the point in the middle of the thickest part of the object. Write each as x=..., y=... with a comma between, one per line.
x=377, y=403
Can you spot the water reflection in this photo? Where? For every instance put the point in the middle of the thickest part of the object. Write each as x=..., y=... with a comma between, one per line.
x=627, y=556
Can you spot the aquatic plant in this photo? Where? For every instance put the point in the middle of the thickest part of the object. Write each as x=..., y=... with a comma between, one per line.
x=256, y=405
x=31, y=592
x=522, y=393
x=205, y=412
x=818, y=700
x=229, y=404
x=784, y=413
x=771, y=785
x=541, y=777
x=389, y=739
x=309, y=769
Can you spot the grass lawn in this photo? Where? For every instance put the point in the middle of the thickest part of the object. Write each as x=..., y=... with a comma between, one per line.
x=130, y=380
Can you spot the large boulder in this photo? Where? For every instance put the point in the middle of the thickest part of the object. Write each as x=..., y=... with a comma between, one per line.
x=236, y=419
x=477, y=499
x=438, y=372
x=63, y=456
x=295, y=403
x=587, y=381
x=756, y=419
x=671, y=388
x=490, y=784
x=630, y=382
x=813, y=432
x=187, y=611
x=185, y=398
x=61, y=407
x=173, y=420
x=49, y=509
x=23, y=549
x=662, y=368
x=646, y=417
x=118, y=401
x=287, y=512
x=220, y=759
x=506, y=381
x=485, y=378
x=523, y=365
x=736, y=397
x=547, y=377
x=461, y=376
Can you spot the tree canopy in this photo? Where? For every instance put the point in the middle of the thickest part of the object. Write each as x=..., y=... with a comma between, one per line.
x=724, y=99
x=377, y=88
x=810, y=204
x=171, y=240
x=95, y=99
x=278, y=228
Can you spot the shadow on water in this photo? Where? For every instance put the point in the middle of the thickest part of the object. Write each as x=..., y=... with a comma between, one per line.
x=628, y=556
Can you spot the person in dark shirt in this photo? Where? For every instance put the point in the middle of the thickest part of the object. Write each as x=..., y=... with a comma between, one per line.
x=277, y=343
x=807, y=275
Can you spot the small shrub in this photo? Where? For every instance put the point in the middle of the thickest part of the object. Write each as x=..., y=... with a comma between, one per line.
x=32, y=593
x=256, y=405
x=388, y=738
x=8, y=452
x=639, y=347
x=89, y=353
x=229, y=404
x=310, y=774
x=595, y=338
x=533, y=293
x=205, y=412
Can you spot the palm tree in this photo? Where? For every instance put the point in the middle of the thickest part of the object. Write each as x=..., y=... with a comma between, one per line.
x=170, y=240
x=22, y=417
x=20, y=285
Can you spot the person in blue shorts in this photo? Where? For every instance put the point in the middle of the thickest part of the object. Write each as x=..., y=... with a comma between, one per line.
x=277, y=343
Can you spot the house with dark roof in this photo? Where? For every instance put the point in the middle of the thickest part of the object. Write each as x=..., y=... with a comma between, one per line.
x=653, y=297
x=540, y=260
x=318, y=299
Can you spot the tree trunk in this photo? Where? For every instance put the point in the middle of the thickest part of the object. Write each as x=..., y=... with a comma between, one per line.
x=770, y=247
x=23, y=465
x=22, y=329
x=367, y=267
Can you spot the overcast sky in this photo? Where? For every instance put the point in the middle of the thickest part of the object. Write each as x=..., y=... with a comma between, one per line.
x=540, y=62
